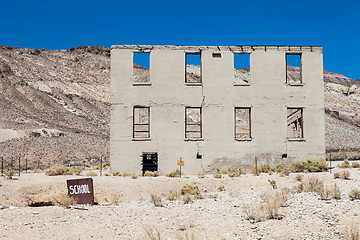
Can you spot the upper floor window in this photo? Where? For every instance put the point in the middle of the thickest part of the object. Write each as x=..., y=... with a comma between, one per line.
x=241, y=68
x=193, y=68
x=141, y=67
x=293, y=68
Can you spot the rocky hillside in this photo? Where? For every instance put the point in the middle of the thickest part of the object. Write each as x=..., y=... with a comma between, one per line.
x=54, y=105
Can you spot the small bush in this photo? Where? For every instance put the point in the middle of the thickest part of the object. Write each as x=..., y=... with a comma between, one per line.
x=77, y=171
x=156, y=200
x=234, y=172
x=217, y=175
x=152, y=233
x=187, y=199
x=126, y=174
x=299, y=177
x=354, y=194
x=91, y=174
x=336, y=193
x=355, y=165
x=63, y=200
x=345, y=164
x=279, y=168
x=116, y=174
x=221, y=188
x=36, y=170
x=201, y=175
x=174, y=173
x=151, y=174
x=172, y=195
x=261, y=168
x=272, y=201
x=107, y=175
x=134, y=176
x=58, y=170
x=343, y=174
x=309, y=165
x=352, y=231
x=104, y=166
x=191, y=189
x=273, y=183
x=252, y=212
x=9, y=173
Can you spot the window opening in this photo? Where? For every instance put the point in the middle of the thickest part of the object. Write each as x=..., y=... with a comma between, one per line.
x=193, y=122
x=193, y=68
x=295, y=123
x=149, y=162
x=141, y=66
x=242, y=123
x=198, y=155
x=141, y=122
x=216, y=55
x=241, y=68
x=293, y=68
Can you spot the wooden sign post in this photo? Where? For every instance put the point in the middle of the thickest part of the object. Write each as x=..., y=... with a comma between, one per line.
x=181, y=164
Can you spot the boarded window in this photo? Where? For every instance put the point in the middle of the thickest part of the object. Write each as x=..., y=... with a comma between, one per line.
x=295, y=123
x=141, y=66
x=193, y=68
x=141, y=122
x=241, y=68
x=242, y=123
x=193, y=122
x=293, y=68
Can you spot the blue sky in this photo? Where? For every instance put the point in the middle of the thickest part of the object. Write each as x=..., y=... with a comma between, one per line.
x=334, y=25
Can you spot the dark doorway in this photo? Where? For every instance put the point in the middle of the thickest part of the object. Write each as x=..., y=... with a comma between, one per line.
x=149, y=162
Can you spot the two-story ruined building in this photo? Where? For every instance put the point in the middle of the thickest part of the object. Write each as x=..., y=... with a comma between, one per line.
x=215, y=114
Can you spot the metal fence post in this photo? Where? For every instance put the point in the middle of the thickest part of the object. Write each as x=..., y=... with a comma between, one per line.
x=26, y=165
x=256, y=171
x=2, y=166
x=100, y=166
x=19, y=167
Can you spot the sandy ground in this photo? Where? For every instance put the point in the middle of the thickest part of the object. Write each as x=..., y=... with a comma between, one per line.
x=125, y=210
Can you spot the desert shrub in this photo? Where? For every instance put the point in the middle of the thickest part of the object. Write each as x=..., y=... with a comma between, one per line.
x=345, y=164
x=343, y=174
x=201, y=175
x=273, y=183
x=63, y=200
x=234, y=172
x=335, y=192
x=261, y=168
x=134, y=176
x=187, y=199
x=221, y=188
x=191, y=189
x=299, y=177
x=116, y=174
x=9, y=173
x=354, y=194
x=59, y=170
x=152, y=233
x=107, y=175
x=355, y=165
x=252, y=212
x=156, y=200
x=309, y=165
x=77, y=171
x=91, y=174
x=279, y=168
x=352, y=231
x=172, y=195
x=217, y=175
x=272, y=201
x=151, y=174
x=36, y=170
x=214, y=196
x=104, y=166
x=174, y=173
x=223, y=171
x=126, y=174
x=314, y=184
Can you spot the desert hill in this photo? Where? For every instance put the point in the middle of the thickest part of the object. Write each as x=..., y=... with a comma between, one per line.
x=54, y=105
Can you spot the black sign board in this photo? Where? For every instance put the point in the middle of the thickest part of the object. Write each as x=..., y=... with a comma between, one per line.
x=81, y=190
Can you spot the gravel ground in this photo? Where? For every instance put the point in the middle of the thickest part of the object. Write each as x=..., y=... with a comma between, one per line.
x=125, y=210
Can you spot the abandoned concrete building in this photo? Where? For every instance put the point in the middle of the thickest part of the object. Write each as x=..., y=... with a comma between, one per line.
x=213, y=113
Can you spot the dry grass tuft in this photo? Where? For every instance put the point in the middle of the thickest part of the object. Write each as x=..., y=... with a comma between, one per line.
x=126, y=174
x=345, y=164
x=355, y=165
x=36, y=170
x=343, y=175
x=134, y=176
x=187, y=199
x=174, y=173
x=77, y=171
x=354, y=194
x=156, y=200
x=273, y=183
x=352, y=231
x=172, y=195
x=299, y=177
x=9, y=173
x=91, y=174
x=63, y=200
x=201, y=175
x=116, y=174
x=217, y=175
x=152, y=233
x=221, y=188
x=234, y=172
x=59, y=170
x=151, y=174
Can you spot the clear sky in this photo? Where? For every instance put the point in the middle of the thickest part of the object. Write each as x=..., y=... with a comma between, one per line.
x=334, y=25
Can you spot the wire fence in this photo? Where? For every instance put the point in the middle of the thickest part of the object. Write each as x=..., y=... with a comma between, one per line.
x=26, y=166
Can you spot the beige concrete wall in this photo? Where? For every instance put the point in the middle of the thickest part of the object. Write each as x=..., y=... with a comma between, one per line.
x=268, y=95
